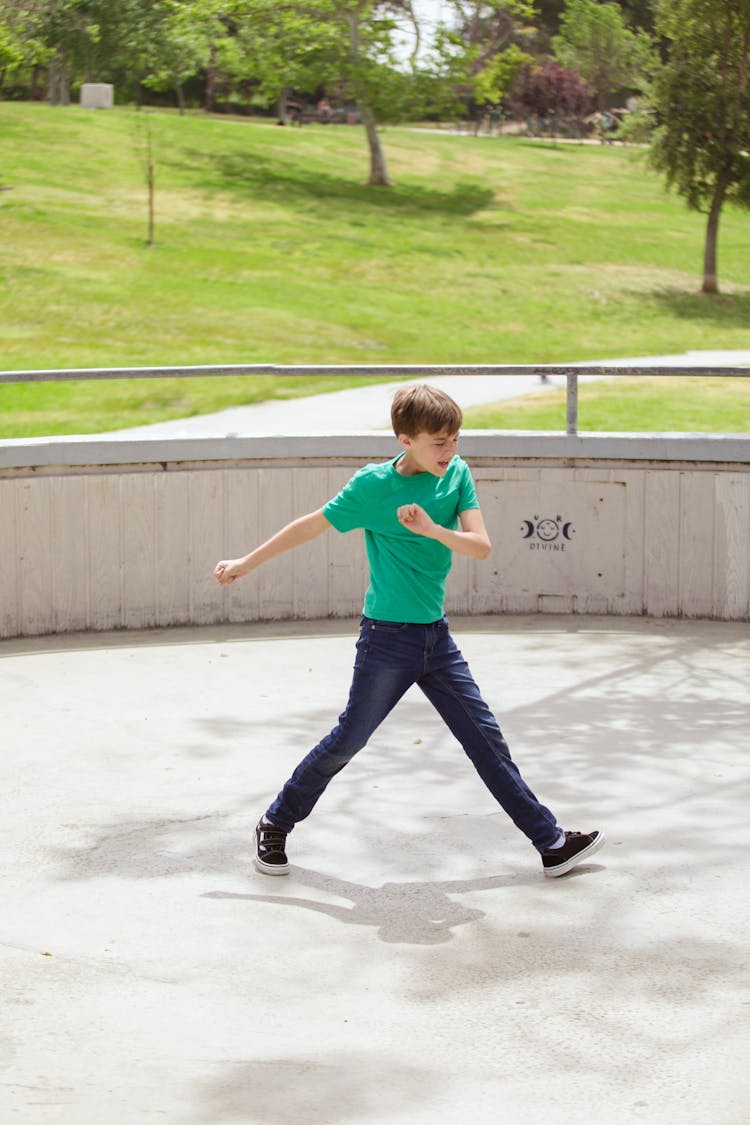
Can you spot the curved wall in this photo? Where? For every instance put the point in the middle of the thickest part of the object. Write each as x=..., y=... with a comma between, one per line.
x=103, y=534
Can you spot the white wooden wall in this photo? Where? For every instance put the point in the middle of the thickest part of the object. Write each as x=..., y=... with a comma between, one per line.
x=133, y=546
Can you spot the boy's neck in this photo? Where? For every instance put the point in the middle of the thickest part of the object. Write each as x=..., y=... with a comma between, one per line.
x=406, y=467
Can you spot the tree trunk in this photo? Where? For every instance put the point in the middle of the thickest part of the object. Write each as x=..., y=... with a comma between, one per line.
x=180, y=97
x=282, y=106
x=710, y=272
x=59, y=80
x=209, y=99
x=378, y=165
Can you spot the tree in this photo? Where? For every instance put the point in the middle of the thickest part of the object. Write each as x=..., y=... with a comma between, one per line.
x=550, y=91
x=281, y=46
x=79, y=40
x=146, y=150
x=595, y=40
x=495, y=81
x=14, y=37
x=183, y=35
x=369, y=68
x=702, y=98
x=480, y=48
x=637, y=13
x=346, y=46
x=488, y=27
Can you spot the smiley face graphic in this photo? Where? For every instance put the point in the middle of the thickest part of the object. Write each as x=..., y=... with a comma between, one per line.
x=547, y=530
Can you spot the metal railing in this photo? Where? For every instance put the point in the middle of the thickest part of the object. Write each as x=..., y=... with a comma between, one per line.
x=571, y=374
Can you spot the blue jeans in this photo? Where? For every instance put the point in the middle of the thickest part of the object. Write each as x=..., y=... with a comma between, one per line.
x=390, y=658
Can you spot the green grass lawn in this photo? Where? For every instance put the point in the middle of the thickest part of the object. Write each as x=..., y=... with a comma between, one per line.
x=642, y=405
x=270, y=248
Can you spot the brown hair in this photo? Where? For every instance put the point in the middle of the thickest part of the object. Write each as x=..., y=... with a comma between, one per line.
x=422, y=409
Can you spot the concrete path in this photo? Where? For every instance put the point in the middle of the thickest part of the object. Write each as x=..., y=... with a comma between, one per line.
x=415, y=968
x=368, y=407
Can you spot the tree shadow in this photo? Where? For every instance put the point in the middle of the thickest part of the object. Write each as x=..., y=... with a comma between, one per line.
x=644, y=724
x=339, y=1089
x=253, y=175
x=629, y=735
x=731, y=310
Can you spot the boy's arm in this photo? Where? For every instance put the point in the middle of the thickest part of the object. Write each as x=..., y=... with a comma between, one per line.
x=471, y=540
x=293, y=535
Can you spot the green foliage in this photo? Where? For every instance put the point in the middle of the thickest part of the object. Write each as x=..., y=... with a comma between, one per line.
x=495, y=81
x=637, y=128
x=480, y=54
x=11, y=50
x=595, y=40
x=21, y=40
x=702, y=96
x=283, y=45
x=181, y=46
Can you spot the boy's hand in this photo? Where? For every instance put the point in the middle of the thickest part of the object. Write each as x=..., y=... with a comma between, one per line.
x=415, y=518
x=229, y=570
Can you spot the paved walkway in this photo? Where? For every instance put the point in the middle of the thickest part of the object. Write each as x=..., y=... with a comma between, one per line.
x=368, y=407
x=415, y=968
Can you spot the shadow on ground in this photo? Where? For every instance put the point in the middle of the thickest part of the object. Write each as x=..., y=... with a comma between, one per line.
x=729, y=310
x=263, y=177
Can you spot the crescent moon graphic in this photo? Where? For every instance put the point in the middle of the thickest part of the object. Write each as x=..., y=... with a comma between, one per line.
x=529, y=529
x=566, y=530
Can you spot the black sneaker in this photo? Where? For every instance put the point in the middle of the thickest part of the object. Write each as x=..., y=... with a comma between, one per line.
x=270, y=845
x=577, y=846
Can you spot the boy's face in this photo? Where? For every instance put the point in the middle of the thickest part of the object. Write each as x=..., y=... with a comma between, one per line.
x=428, y=453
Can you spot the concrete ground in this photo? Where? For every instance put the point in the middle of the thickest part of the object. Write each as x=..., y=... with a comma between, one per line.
x=415, y=967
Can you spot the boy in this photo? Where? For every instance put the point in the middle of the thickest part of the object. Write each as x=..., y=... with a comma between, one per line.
x=415, y=511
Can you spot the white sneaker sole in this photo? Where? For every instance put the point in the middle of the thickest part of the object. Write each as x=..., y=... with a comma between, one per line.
x=564, y=868
x=271, y=868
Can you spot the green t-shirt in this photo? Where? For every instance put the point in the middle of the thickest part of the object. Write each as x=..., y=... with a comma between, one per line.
x=407, y=571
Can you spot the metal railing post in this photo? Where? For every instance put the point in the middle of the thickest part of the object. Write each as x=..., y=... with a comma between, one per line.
x=571, y=401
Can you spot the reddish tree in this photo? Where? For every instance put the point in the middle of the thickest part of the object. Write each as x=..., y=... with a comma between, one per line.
x=550, y=92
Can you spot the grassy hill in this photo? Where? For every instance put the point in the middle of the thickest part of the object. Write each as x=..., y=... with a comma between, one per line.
x=270, y=248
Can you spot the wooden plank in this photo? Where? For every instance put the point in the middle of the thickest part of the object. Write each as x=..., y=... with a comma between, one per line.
x=312, y=593
x=242, y=532
x=605, y=601
x=555, y=603
x=505, y=472
x=633, y=599
x=461, y=582
x=597, y=605
x=487, y=591
x=138, y=515
x=661, y=543
x=275, y=511
x=628, y=597
x=10, y=573
x=347, y=560
x=35, y=557
x=172, y=548
x=513, y=602
x=207, y=534
x=70, y=573
x=558, y=475
x=697, y=513
x=731, y=594
x=104, y=551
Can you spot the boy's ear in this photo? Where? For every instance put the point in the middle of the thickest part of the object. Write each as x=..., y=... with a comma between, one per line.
x=405, y=440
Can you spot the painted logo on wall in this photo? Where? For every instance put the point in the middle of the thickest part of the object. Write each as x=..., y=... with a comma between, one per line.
x=548, y=534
